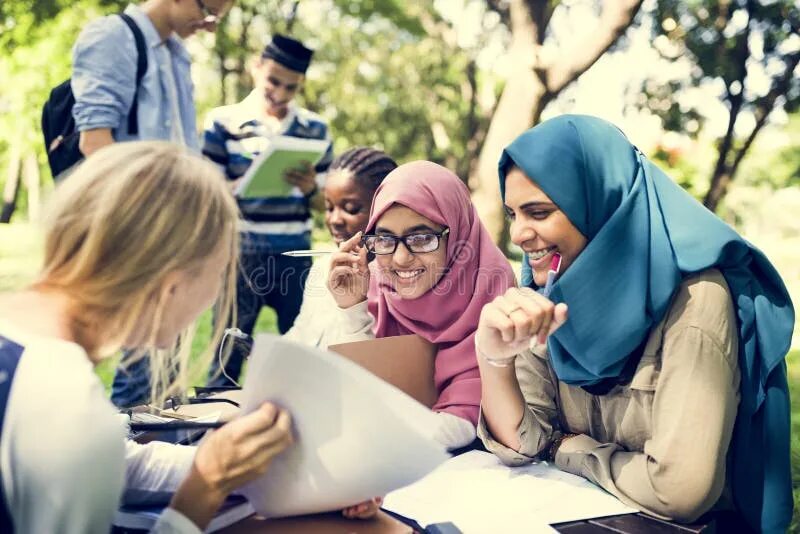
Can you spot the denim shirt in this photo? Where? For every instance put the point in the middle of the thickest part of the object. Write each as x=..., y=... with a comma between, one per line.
x=104, y=79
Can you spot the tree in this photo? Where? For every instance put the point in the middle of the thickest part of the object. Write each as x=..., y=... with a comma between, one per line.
x=37, y=58
x=749, y=47
x=399, y=79
x=536, y=81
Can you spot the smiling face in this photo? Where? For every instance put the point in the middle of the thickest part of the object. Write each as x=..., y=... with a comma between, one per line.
x=539, y=227
x=277, y=84
x=346, y=205
x=410, y=274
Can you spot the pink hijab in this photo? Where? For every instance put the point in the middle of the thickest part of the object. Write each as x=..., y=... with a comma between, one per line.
x=448, y=313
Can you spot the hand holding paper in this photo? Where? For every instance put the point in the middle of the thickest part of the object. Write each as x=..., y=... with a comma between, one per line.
x=357, y=437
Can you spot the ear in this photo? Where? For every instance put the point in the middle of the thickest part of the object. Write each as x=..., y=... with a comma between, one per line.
x=255, y=66
x=170, y=284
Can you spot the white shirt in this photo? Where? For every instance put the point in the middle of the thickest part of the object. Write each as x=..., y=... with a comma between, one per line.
x=63, y=451
x=321, y=322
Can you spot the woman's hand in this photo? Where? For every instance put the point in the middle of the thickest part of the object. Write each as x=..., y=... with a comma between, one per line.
x=348, y=281
x=364, y=510
x=228, y=458
x=509, y=323
x=242, y=450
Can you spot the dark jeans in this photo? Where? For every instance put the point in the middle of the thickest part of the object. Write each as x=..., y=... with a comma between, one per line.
x=265, y=279
x=131, y=384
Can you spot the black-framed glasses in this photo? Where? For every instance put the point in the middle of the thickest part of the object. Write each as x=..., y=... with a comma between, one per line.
x=415, y=243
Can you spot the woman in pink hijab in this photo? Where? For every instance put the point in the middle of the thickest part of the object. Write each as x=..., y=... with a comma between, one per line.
x=435, y=268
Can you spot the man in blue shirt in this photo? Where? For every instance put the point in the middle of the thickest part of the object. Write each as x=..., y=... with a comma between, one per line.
x=234, y=135
x=104, y=60
x=104, y=73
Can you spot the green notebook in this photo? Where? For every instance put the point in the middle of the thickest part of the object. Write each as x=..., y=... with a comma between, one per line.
x=265, y=179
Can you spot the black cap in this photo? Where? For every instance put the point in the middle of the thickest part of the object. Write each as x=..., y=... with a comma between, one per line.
x=288, y=52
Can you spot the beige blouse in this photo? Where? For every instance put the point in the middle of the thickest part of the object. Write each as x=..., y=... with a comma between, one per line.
x=658, y=444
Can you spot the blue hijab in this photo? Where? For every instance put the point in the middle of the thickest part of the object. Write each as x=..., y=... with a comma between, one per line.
x=645, y=234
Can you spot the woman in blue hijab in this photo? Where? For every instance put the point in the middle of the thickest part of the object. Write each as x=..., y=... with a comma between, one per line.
x=663, y=377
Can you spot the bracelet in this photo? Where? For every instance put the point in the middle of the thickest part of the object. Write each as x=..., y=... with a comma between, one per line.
x=498, y=362
x=555, y=444
x=312, y=192
x=494, y=362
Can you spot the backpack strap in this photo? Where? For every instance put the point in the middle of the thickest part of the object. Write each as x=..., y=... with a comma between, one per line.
x=141, y=68
x=10, y=354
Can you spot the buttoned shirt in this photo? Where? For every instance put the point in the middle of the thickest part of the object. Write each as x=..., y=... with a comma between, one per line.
x=658, y=443
x=104, y=61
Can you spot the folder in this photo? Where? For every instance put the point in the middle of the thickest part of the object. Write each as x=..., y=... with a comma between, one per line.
x=406, y=362
x=264, y=177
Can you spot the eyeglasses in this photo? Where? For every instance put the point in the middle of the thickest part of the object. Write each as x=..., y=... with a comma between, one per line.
x=208, y=15
x=415, y=243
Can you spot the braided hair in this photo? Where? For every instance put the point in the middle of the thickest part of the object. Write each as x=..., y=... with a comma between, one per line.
x=369, y=166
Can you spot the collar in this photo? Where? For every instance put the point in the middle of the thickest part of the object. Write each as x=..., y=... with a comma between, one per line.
x=250, y=111
x=151, y=37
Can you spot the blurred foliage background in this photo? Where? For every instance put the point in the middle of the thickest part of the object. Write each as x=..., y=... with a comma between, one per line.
x=710, y=89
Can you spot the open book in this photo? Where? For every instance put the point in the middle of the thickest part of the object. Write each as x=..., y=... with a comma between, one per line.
x=234, y=509
x=264, y=178
x=477, y=493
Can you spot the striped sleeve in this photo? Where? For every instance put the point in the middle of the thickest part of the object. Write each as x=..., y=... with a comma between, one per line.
x=214, y=146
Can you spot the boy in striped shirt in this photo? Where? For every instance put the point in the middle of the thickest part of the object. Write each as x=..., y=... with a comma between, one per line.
x=235, y=135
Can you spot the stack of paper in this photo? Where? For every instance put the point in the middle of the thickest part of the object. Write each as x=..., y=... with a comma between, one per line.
x=357, y=437
x=478, y=494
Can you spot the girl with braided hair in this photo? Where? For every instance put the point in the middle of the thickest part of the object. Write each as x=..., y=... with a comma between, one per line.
x=350, y=185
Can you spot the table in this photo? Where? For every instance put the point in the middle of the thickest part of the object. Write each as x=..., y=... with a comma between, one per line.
x=635, y=524
x=385, y=523
x=334, y=523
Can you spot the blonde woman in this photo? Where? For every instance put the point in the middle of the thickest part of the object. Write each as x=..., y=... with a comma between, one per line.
x=140, y=240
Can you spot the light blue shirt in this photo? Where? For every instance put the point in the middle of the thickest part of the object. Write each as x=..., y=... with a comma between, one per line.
x=104, y=79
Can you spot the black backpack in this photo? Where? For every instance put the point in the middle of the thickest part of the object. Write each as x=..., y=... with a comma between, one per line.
x=58, y=126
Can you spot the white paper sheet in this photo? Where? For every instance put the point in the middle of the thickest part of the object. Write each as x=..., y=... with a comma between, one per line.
x=357, y=437
x=478, y=494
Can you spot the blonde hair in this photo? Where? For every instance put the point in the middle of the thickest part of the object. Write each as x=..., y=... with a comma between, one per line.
x=127, y=217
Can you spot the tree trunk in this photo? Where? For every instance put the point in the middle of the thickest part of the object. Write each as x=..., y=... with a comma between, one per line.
x=12, y=183
x=30, y=172
x=514, y=114
x=720, y=181
x=531, y=86
x=725, y=172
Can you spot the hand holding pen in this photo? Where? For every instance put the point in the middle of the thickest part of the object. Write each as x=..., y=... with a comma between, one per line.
x=510, y=322
x=348, y=280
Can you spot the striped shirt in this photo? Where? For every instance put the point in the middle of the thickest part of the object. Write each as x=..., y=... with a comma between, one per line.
x=234, y=135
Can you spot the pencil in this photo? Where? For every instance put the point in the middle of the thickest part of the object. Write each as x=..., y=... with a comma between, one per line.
x=306, y=253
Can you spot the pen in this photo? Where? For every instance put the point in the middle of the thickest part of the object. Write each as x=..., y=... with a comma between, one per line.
x=555, y=266
x=173, y=425
x=306, y=253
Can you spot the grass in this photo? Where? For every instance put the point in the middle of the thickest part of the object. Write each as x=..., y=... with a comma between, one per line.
x=19, y=260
